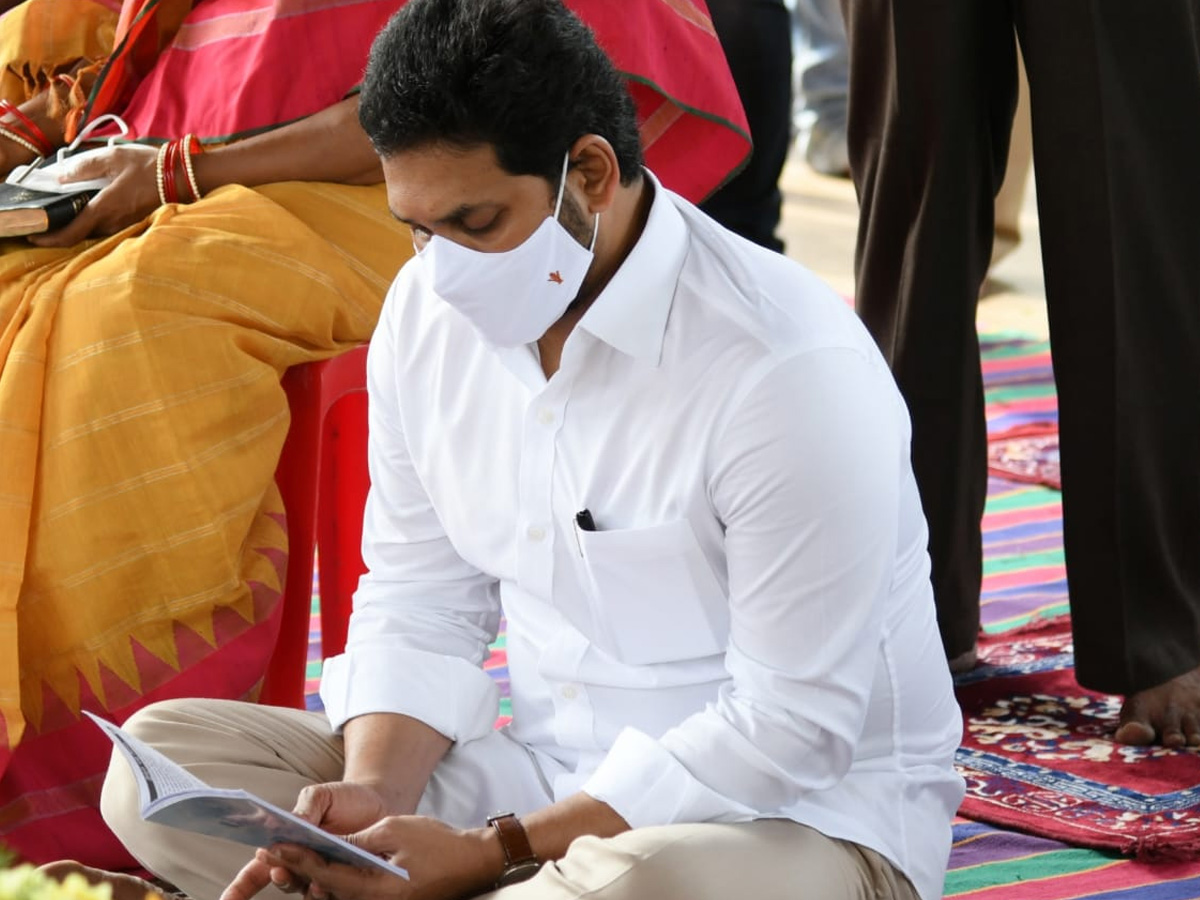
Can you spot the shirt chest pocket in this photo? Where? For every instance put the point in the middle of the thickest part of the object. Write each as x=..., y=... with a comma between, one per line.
x=653, y=594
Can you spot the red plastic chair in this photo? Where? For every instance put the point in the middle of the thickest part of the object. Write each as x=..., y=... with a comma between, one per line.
x=323, y=477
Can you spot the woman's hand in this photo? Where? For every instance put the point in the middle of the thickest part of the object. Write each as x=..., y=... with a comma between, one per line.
x=129, y=198
x=443, y=863
x=12, y=155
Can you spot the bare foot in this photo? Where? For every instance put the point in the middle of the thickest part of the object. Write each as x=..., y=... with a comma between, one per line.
x=1169, y=712
x=124, y=887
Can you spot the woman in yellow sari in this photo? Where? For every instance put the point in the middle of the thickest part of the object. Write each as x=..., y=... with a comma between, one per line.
x=142, y=539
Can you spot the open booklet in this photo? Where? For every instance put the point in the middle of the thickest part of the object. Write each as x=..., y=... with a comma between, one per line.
x=170, y=795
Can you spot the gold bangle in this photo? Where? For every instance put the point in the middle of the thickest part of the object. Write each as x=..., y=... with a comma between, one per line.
x=158, y=173
x=17, y=139
x=187, y=166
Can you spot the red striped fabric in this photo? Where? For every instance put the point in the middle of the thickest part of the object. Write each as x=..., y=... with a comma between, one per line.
x=230, y=70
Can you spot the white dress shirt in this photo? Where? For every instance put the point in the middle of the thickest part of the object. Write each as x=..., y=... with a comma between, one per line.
x=749, y=632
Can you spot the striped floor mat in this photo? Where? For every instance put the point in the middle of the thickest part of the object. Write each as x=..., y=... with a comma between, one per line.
x=1019, y=384
x=1024, y=575
x=988, y=863
x=1022, y=410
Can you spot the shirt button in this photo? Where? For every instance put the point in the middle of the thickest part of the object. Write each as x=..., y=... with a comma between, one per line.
x=535, y=533
x=546, y=416
x=570, y=692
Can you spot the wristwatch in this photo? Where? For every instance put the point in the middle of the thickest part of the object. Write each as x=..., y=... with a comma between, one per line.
x=520, y=863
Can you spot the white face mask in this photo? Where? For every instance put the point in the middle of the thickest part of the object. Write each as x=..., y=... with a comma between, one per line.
x=512, y=297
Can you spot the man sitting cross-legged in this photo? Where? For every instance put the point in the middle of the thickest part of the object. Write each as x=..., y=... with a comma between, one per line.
x=679, y=466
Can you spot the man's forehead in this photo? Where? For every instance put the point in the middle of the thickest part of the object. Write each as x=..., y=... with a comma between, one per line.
x=430, y=182
x=479, y=158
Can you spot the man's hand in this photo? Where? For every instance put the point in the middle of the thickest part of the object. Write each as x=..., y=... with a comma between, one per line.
x=343, y=807
x=132, y=195
x=339, y=807
x=443, y=863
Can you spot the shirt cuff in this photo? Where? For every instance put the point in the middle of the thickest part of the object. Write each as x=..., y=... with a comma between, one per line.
x=646, y=785
x=447, y=693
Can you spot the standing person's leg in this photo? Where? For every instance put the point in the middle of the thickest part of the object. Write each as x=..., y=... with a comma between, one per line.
x=1116, y=125
x=756, y=37
x=771, y=859
x=822, y=84
x=932, y=91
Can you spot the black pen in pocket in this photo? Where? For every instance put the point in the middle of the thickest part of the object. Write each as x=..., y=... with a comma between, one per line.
x=583, y=522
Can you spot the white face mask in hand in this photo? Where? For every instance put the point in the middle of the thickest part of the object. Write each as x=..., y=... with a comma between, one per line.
x=512, y=297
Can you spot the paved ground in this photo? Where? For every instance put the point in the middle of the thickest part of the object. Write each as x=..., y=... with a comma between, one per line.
x=819, y=221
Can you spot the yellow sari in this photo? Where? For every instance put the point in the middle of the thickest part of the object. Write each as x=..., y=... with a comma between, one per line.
x=142, y=539
x=141, y=417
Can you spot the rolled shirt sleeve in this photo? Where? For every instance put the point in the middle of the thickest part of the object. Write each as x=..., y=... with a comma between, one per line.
x=805, y=475
x=423, y=617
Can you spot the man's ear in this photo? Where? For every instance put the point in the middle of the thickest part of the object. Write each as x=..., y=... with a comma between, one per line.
x=595, y=171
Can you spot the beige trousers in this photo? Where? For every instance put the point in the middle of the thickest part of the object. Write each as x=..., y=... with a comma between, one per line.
x=276, y=752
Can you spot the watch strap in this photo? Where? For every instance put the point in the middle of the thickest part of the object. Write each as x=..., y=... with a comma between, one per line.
x=513, y=839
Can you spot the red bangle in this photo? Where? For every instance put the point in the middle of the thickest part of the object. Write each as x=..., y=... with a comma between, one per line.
x=177, y=171
x=27, y=128
x=170, y=191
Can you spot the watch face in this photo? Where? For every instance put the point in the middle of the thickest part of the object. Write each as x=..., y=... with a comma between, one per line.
x=518, y=873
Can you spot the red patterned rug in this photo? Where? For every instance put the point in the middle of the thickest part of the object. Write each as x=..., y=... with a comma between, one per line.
x=1032, y=458
x=1038, y=756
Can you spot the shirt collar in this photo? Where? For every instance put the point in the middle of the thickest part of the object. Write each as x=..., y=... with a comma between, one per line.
x=630, y=314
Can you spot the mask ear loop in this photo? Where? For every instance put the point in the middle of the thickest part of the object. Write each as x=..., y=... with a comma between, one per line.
x=87, y=130
x=562, y=187
x=562, y=184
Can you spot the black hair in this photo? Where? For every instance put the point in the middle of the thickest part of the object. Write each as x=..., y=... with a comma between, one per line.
x=524, y=76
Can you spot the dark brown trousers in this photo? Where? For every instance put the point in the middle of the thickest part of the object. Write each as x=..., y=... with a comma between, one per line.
x=1115, y=92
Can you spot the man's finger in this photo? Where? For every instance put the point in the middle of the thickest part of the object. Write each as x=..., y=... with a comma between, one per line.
x=376, y=839
x=344, y=882
x=253, y=877
x=288, y=882
x=313, y=803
